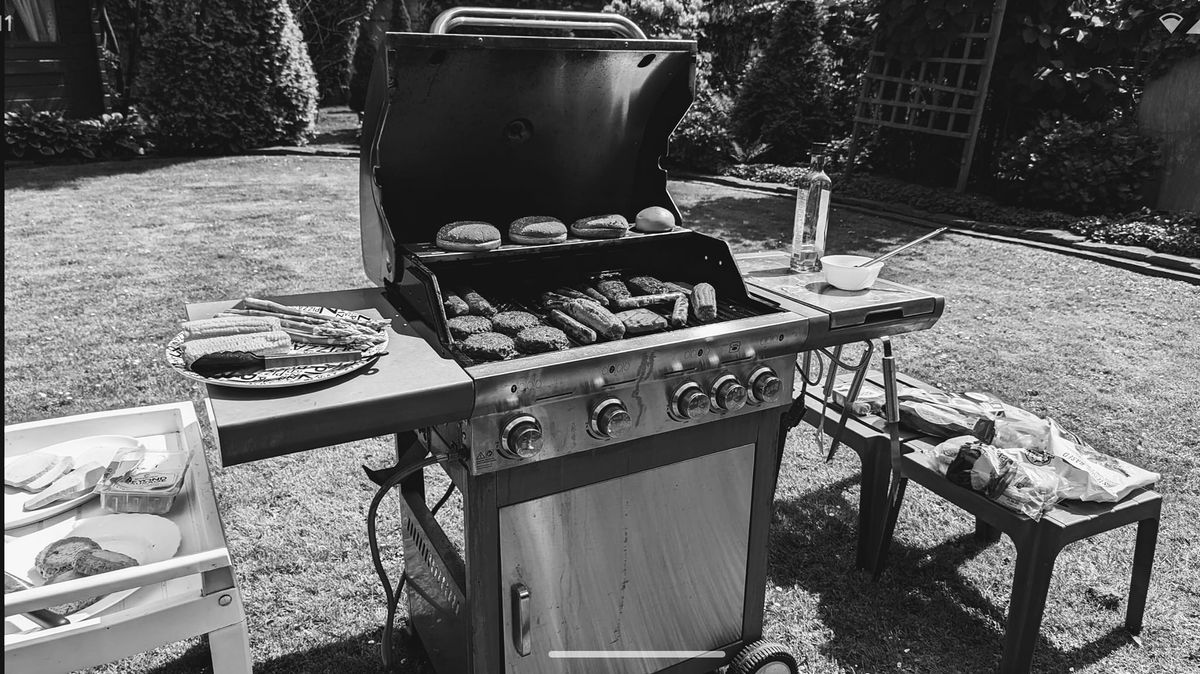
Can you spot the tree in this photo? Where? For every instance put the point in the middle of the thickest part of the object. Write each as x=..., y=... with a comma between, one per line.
x=330, y=30
x=385, y=16
x=785, y=100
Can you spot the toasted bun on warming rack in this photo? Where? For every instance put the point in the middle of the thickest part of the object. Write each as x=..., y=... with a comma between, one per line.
x=611, y=226
x=535, y=230
x=468, y=235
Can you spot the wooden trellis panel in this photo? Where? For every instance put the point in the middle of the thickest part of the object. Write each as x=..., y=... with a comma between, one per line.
x=941, y=95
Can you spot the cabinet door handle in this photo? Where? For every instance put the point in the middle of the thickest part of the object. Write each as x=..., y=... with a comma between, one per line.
x=520, y=606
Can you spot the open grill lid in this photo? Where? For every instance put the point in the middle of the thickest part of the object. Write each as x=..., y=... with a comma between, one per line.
x=493, y=128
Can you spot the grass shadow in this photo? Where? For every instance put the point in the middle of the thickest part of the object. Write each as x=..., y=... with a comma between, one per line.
x=922, y=615
x=34, y=175
x=359, y=654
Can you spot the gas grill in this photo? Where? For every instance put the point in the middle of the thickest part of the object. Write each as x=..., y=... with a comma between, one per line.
x=616, y=495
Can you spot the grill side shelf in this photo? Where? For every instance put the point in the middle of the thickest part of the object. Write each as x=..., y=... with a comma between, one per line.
x=410, y=386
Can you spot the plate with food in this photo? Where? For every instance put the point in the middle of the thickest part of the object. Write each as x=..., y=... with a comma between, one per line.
x=88, y=547
x=51, y=480
x=263, y=344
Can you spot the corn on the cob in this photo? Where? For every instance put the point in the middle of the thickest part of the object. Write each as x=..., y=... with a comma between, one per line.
x=227, y=325
x=272, y=343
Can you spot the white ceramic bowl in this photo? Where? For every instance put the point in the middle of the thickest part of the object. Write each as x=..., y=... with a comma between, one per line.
x=841, y=273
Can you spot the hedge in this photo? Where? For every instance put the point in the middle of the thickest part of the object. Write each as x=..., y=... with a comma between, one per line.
x=223, y=76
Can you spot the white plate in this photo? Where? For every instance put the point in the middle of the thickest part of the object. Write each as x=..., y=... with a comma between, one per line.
x=287, y=376
x=146, y=538
x=98, y=448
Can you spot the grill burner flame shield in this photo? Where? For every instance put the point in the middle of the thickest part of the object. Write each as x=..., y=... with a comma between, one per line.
x=493, y=128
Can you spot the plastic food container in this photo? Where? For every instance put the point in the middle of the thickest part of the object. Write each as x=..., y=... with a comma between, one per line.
x=141, y=480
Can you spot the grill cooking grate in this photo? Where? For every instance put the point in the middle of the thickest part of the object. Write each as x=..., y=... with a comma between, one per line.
x=726, y=311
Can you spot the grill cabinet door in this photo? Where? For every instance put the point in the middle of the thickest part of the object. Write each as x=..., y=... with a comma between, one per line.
x=653, y=561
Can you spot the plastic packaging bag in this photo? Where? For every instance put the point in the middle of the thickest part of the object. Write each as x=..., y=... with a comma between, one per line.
x=1011, y=477
x=946, y=415
x=1091, y=475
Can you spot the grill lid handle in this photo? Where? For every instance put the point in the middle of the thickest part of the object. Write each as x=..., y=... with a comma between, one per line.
x=496, y=17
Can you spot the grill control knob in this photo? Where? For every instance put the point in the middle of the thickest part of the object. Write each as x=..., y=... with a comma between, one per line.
x=521, y=437
x=765, y=385
x=610, y=419
x=728, y=394
x=690, y=401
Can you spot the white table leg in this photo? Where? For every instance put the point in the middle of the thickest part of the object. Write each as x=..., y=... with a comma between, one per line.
x=230, y=648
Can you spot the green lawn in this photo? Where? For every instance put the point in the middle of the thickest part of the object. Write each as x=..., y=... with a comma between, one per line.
x=100, y=259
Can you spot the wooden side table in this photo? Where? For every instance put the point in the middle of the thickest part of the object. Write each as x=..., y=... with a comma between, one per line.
x=193, y=593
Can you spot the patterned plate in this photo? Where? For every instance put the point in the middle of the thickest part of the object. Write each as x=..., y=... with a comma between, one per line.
x=286, y=376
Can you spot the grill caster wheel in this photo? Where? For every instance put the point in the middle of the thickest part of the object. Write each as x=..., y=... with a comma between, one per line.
x=764, y=657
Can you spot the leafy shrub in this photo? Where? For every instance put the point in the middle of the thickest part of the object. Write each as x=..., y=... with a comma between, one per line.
x=734, y=31
x=847, y=32
x=786, y=100
x=330, y=29
x=221, y=76
x=673, y=19
x=702, y=140
x=1082, y=167
x=29, y=133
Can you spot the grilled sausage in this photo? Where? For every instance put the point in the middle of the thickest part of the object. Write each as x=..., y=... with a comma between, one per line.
x=574, y=329
x=596, y=295
x=679, y=312
x=477, y=304
x=596, y=317
x=704, y=301
x=643, y=301
x=552, y=300
x=646, y=285
x=570, y=292
x=640, y=321
x=613, y=289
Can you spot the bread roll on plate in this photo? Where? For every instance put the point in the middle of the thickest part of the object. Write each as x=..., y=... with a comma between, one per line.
x=468, y=235
x=536, y=230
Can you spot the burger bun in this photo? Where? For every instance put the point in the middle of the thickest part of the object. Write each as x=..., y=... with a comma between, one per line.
x=654, y=219
x=536, y=230
x=468, y=235
x=612, y=226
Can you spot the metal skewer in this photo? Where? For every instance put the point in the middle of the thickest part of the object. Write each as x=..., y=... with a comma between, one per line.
x=910, y=244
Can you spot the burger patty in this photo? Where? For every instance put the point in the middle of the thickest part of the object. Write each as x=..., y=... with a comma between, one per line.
x=541, y=338
x=488, y=346
x=513, y=322
x=462, y=327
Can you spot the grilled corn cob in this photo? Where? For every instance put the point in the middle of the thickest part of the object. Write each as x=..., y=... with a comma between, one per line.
x=272, y=343
x=227, y=325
